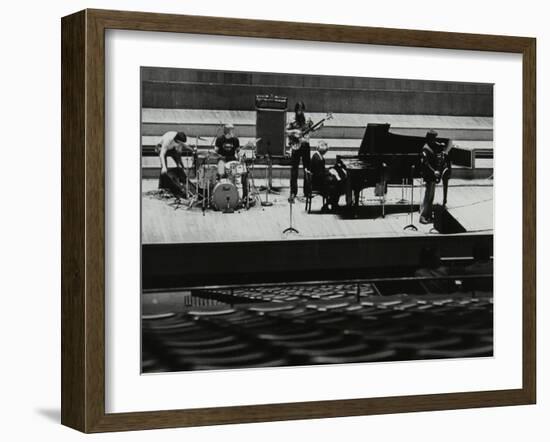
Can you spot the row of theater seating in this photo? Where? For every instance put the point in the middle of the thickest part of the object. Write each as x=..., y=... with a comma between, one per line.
x=315, y=324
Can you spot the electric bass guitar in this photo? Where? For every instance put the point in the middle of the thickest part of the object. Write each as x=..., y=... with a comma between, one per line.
x=297, y=136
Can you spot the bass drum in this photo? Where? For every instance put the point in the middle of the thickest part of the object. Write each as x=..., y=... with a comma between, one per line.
x=225, y=196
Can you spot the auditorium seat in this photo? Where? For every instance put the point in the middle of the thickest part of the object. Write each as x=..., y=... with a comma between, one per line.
x=478, y=351
x=251, y=358
x=216, y=311
x=316, y=328
x=271, y=307
x=379, y=356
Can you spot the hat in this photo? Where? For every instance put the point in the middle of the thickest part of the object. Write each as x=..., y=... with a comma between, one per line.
x=431, y=134
x=180, y=136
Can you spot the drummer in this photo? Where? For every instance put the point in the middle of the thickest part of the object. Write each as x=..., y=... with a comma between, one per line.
x=228, y=148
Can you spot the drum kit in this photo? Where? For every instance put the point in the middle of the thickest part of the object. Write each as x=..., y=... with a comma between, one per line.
x=218, y=182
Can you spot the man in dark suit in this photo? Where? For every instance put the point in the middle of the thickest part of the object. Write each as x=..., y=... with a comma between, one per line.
x=330, y=182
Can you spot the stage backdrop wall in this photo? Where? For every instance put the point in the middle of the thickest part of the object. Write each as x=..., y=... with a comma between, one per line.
x=189, y=89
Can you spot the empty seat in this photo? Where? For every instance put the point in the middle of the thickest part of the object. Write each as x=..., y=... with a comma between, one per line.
x=317, y=324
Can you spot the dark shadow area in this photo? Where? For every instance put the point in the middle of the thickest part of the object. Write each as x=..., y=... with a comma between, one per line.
x=373, y=211
x=185, y=265
x=51, y=414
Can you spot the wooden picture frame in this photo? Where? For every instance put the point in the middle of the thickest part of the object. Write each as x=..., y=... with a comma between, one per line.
x=83, y=219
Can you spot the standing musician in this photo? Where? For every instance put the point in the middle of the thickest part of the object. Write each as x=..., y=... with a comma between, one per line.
x=173, y=144
x=299, y=144
x=435, y=167
x=228, y=148
x=330, y=182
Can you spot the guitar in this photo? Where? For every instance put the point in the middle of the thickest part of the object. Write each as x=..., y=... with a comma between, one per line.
x=297, y=136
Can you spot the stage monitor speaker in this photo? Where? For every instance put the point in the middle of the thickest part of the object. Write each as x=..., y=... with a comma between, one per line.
x=270, y=128
x=444, y=222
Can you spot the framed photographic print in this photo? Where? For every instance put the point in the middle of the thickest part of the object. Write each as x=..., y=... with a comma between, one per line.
x=267, y=221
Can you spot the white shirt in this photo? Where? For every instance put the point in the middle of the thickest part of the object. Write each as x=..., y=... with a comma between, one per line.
x=167, y=141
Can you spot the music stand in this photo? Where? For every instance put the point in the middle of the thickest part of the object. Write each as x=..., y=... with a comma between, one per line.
x=411, y=226
x=290, y=228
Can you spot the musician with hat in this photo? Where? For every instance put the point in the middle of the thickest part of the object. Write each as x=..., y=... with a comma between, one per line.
x=435, y=167
x=173, y=144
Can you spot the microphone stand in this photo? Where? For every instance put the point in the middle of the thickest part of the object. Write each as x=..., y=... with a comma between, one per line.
x=411, y=226
x=267, y=203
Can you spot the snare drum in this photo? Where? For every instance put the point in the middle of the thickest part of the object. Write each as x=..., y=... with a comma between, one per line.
x=231, y=168
x=235, y=170
x=240, y=169
x=225, y=196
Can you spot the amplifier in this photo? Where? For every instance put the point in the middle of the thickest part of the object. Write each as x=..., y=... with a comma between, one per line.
x=462, y=157
x=270, y=129
x=271, y=102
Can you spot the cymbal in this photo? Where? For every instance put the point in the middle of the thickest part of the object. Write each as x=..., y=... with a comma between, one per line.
x=251, y=145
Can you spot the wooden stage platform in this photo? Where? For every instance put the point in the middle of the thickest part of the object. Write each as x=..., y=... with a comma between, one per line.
x=469, y=202
x=188, y=248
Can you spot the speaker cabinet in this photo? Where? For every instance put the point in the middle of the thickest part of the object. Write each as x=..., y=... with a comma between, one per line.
x=270, y=127
x=444, y=222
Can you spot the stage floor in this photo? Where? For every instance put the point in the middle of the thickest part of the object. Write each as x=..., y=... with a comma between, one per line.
x=469, y=201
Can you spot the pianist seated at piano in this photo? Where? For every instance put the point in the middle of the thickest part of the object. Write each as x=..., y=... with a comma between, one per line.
x=330, y=182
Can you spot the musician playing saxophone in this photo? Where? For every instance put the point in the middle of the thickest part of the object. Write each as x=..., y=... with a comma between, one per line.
x=436, y=167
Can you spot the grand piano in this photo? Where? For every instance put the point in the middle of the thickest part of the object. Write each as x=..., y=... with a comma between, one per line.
x=383, y=158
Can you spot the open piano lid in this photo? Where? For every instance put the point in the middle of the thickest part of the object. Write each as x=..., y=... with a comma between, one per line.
x=379, y=140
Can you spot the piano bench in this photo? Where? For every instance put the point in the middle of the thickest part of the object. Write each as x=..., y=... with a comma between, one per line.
x=309, y=197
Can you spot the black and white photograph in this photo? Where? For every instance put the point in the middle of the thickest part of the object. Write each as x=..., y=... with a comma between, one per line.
x=293, y=219
x=264, y=221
